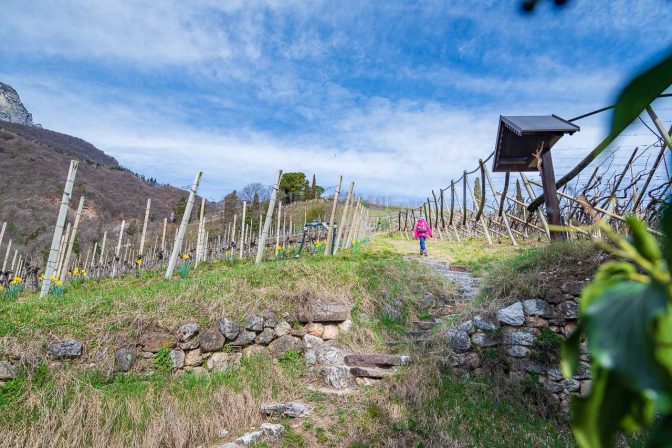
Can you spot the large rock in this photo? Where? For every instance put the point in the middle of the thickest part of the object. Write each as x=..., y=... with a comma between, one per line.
x=265, y=337
x=211, y=341
x=291, y=410
x=8, y=371
x=254, y=323
x=459, y=340
x=66, y=349
x=190, y=344
x=193, y=358
x=572, y=287
x=370, y=372
x=256, y=350
x=512, y=336
x=273, y=430
x=325, y=312
x=376, y=360
x=285, y=344
x=270, y=321
x=124, y=358
x=512, y=315
x=177, y=358
x=314, y=329
x=485, y=324
x=221, y=362
x=282, y=329
x=517, y=351
x=330, y=332
x=229, y=328
x=244, y=338
x=11, y=107
x=338, y=377
x=467, y=326
x=250, y=438
x=155, y=341
x=536, y=307
x=326, y=354
x=188, y=331
x=481, y=339
x=569, y=310
x=312, y=341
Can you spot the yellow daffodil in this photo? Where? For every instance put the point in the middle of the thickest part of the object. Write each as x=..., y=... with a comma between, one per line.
x=59, y=283
x=84, y=272
x=185, y=256
x=52, y=278
x=278, y=247
x=139, y=262
x=16, y=280
x=318, y=244
x=76, y=271
x=41, y=277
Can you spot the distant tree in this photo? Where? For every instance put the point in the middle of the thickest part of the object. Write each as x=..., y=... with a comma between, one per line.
x=293, y=186
x=313, y=189
x=249, y=191
x=318, y=191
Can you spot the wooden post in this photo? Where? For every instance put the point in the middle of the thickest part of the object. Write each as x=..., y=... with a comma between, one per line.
x=117, y=251
x=550, y=194
x=61, y=252
x=2, y=232
x=269, y=218
x=179, y=238
x=71, y=241
x=242, y=232
x=58, y=231
x=355, y=218
x=4, y=263
x=144, y=229
x=16, y=252
x=344, y=219
x=481, y=218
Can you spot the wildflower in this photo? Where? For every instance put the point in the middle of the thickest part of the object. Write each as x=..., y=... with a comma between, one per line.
x=70, y=273
x=83, y=272
x=16, y=280
x=76, y=271
x=41, y=277
x=139, y=262
x=318, y=244
x=278, y=247
x=52, y=278
x=185, y=256
x=59, y=283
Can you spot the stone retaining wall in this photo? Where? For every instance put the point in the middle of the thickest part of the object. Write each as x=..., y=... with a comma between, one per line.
x=524, y=339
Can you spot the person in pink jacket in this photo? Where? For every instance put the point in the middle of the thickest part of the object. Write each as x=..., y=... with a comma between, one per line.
x=422, y=231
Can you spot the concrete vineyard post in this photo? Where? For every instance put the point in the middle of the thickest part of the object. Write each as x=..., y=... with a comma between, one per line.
x=58, y=231
x=2, y=232
x=199, y=234
x=267, y=221
x=117, y=251
x=163, y=235
x=102, y=249
x=330, y=234
x=179, y=238
x=71, y=241
x=144, y=229
x=242, y=232
x=16, y=252
x=277, y=231
x=4, y=263
x=61, y=252
x=344, y=218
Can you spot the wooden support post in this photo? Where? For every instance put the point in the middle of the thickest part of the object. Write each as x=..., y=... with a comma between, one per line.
x=199, y=235
x=144, y=229
x=61, y=252
x=329, y=248
x=102, y=249
x=269, y=219
x=344, y=219
x=481, y=218
x=2, y=232
x=58, y=231
x=355, y=213
x=530, y=192
x=71, y=241
x=242, y=232
x=16, y=252
x=117, y=251
x=179, y=238
x=550, y=194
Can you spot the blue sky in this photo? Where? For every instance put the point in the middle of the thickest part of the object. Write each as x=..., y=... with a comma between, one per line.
x=397, y=95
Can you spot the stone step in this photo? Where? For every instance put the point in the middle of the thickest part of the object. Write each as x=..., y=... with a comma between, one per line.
x=376, y=360
x=370, y=372
x=425, y=324
x=418, y=333
x=417, y=342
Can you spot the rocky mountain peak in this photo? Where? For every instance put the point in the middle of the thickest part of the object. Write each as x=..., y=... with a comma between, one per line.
x=11, y=107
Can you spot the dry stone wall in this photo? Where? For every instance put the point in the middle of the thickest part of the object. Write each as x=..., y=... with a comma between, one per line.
x=523, y=339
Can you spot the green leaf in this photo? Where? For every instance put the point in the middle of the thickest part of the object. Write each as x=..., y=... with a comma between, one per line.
x=666, y=227
x=663, y=341
x=643, y=241
x=639, y=93
x=596, y=419
x=661, y=436
x=619, y=326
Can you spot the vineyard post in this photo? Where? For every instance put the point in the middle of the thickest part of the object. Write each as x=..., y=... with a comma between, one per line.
x=242, y=231
x=71, y=241
x=277, y=231
x=102, y=249
x=494, y=193
x=481, y=218
x=354, y=223
x=61, y=252
x=199, y=235
x=332, y=217
x=344, y=219
x=163, y=235
x=58, y=231
x=2, y=232
x=550, y=193
x=269, y=218
x=541, y=216
x=4, y=263
x=659, y=125
x=117, y=251
x=179, y=238
x=648, y=180
x=144, y=229
x=16, y=252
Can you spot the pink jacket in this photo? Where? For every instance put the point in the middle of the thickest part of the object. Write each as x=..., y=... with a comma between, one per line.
x=426, y=234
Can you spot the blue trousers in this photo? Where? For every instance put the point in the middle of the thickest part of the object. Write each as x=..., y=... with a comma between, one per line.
x=422, y=244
